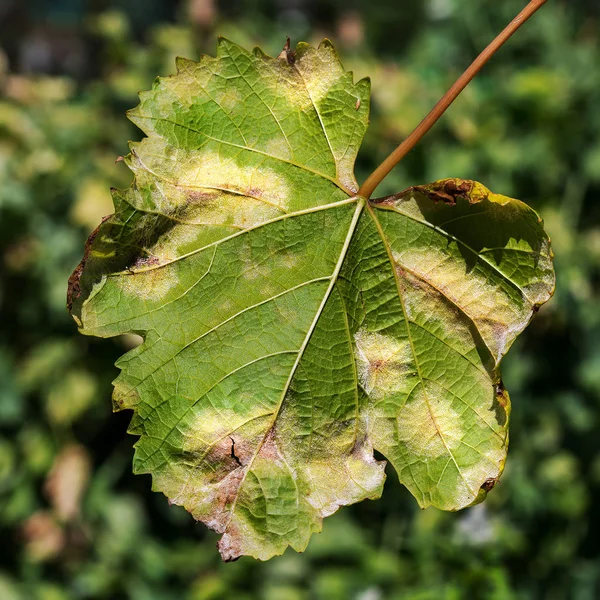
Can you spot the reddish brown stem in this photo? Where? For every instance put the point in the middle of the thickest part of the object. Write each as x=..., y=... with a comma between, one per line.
x=368, y=187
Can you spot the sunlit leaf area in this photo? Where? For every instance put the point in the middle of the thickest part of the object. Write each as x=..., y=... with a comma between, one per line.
x=74, y=521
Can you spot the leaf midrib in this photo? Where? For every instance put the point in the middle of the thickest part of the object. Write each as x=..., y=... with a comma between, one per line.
x=332, y=278
x=333, y=180
x=228, y=320
x=191, y=186
x=351, y=230
x=412, y=347
x=314, y=105
x=298, y=213
x=502, y=275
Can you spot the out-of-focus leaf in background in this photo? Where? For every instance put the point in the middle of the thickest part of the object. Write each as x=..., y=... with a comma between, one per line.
x=528, y=127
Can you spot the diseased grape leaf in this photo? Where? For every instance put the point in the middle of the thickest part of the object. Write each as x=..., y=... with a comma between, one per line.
x=291, y=327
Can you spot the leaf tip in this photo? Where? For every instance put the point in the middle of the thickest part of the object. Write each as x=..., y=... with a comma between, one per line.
x=229, y=548
x=224, y=45
x=486, y=487
x=183, y=64
x=133, y=114
x=287, y=53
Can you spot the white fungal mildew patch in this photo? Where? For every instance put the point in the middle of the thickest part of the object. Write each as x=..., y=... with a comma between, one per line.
x=322, y=73
x=280, y=148
x=538, y=291
x=150, y=280
x=442, y=319
x=256, y=271
x=494, y=312
x=367, y=472
x=384, y=363
x=288, y=314
x=260, y=272
x=320, y=69
x=203, y=186
x=207, y=502
x=176, y=242
x=333, y=484
x=232, y=210
x=210, y=169
x=228, y=97
x=428, y=426
x=226, y=305
x=211, y=426
x=287, y=85
x=291, y=260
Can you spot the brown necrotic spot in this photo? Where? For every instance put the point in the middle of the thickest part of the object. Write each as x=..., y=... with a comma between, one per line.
x=446, y=190
x=144, y=263
x=254, y=192
x=229, y=489
x=200, y=197
x=74, y=286
x=501, y=393
x=501, y=404
x=74, y=289
x=217, y=501
x=489, y=484
x=223, y=458
x=241, y=450
x=229, y=545
x=113, y=247
x=233, y=454
x=269, y=448
x=288, y=54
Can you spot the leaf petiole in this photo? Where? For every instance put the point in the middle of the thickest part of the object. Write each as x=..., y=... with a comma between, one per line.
x=368, y=187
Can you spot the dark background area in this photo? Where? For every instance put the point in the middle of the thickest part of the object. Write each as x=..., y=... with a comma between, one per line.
x=74, y=522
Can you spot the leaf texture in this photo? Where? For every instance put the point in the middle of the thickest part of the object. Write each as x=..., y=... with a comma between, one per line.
x=291, y=327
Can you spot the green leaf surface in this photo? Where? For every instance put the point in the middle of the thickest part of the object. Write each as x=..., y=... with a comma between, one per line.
x=290, y=326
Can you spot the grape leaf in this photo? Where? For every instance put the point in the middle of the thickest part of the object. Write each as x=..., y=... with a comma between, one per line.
x=290, y=326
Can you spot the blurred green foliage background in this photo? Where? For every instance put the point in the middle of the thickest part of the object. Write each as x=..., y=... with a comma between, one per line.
x=74, y=522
